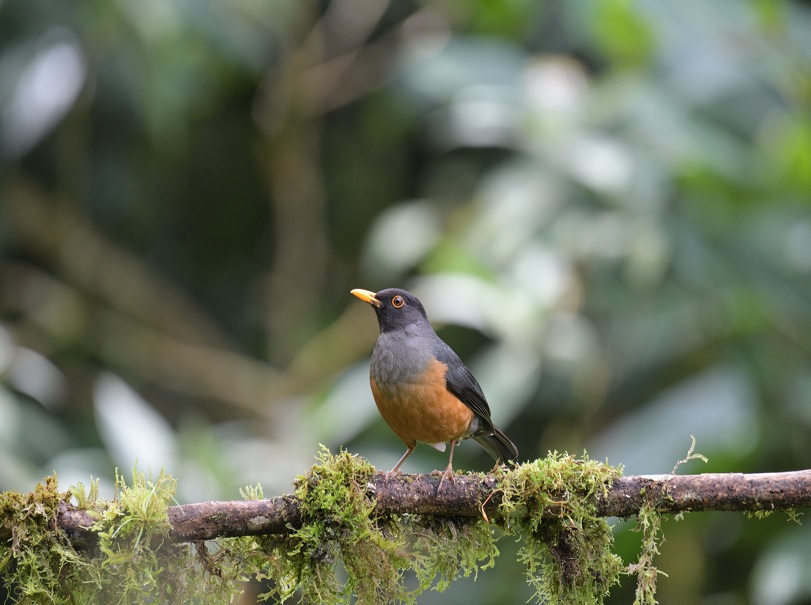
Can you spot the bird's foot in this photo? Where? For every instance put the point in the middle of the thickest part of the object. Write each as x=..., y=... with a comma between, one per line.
x=446, y=474
x=392, y=473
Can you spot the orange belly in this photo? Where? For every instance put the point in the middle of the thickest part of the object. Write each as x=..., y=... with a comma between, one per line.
x=423, y=410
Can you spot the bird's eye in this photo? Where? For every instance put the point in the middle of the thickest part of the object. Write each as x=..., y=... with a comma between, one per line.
x=397, y=302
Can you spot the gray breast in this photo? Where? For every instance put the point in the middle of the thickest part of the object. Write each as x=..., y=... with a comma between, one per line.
x=399, y=357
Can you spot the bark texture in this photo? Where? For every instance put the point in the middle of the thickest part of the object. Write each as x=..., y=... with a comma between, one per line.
x=472, y=496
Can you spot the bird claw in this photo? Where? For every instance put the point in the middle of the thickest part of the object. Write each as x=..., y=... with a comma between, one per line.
x=391, y=473
x=446, y=474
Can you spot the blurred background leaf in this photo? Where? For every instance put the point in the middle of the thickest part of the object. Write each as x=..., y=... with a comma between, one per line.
x=604, y=206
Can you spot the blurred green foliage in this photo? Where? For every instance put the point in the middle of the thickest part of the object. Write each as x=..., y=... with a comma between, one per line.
x=604, y=206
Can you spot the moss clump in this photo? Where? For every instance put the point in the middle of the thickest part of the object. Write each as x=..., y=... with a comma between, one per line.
x=132, y=561
x=38, y=559
x=447, y=548
x=338, y=525
x=649, y=522
x=136, y=562
x=345, y=551
x=569, y=555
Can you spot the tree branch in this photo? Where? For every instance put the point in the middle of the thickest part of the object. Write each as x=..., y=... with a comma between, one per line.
x=416, y=494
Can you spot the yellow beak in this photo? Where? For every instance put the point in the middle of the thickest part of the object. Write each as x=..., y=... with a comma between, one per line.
x=366, y=296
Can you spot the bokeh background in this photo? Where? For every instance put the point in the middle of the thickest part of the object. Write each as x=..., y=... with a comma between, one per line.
x=603, y=204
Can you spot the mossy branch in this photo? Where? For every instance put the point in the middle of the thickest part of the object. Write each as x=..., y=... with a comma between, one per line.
x=417, y=494
x=72, y=547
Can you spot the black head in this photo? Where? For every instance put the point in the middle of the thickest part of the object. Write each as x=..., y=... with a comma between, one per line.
x=395, y=308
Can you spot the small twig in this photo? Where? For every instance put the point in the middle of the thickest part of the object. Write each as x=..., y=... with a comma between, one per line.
x=484, y=504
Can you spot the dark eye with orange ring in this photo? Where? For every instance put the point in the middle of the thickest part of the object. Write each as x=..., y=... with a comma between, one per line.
x=397, y=302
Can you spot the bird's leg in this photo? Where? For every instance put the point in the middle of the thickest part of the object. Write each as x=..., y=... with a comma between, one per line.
x=448, y=473
x=400, y=462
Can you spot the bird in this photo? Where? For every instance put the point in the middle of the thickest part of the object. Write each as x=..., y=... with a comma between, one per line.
x=423, y=391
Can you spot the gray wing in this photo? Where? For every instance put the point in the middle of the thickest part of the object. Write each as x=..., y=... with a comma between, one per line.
x=461, y=383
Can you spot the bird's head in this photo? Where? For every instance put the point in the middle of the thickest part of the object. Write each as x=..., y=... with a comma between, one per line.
x=395, y=308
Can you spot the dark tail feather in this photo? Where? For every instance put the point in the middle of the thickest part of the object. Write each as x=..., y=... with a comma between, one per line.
x=498, y=445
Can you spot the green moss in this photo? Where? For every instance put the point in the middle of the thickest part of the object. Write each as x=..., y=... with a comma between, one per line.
x=136, y=562
x=339, y=526
x=38, y=559
x=133, y=561
x=447, y=548
x=343, y=552
x=569, y=556
x=691, y=455
x=759, y=514
x=649, y=522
